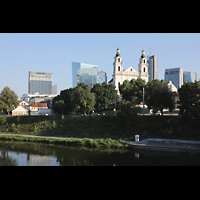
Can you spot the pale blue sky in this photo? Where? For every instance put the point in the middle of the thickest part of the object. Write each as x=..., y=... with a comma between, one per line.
x=54, y=52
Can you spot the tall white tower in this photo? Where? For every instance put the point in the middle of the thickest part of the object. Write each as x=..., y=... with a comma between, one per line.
x=143, y=67
x=117, y=70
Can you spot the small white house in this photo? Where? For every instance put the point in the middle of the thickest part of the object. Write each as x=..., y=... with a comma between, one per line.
x=20, y=111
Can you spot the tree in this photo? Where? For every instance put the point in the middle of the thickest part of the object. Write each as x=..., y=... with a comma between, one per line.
x=189, y=96
x=104, y=95
x=59, y=107
x=132, y=91
x=8, y=100
x=82, y=98
x=189, y=101
x=158, y=96
x=65, y=96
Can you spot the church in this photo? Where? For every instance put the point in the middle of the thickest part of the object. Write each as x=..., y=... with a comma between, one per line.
x=120, y=75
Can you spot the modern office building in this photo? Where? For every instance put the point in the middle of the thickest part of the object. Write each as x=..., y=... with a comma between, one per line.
x=40, y=82
x=86, y=73
x=189, y=77
x=175, y=75
x=101, y=77
x=152, y=67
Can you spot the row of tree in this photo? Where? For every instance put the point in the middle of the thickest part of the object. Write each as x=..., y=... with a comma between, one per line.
x=83, y=99
x=157, y=94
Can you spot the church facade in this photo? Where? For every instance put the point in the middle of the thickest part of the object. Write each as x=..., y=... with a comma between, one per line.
x=120, y=75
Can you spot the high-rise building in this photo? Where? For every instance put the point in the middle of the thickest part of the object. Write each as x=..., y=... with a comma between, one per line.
x=189, y=77
x=175, y=75
x=152, y=67
x=86, y=73
x=101, y=77
x=40, y=82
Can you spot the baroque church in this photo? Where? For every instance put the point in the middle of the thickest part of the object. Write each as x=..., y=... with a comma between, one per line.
x=120, y=75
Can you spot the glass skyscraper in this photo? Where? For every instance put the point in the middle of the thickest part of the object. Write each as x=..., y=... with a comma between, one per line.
x=175, y=75
x=189, y=77
x=152, y=67
x=101, y=77
x=86, y=73
x=40, y=82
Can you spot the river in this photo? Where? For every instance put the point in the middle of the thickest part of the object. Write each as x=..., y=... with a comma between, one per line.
x=35, y=154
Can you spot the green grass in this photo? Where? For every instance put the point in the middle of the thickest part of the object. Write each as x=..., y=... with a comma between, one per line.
x=117, y=127
x=97, y=143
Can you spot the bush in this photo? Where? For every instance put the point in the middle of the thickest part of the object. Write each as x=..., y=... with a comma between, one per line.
x=128, y=117
x=54, y=124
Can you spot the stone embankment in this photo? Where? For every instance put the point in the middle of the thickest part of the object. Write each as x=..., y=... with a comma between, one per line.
x=170, y=145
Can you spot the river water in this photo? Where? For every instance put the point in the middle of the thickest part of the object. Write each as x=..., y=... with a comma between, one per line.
x=35, y=154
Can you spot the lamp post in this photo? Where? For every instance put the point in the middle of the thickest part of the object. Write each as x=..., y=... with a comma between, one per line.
x=143, y=101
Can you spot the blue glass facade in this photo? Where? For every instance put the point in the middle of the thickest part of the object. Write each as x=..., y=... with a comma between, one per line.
x=101, y=77
x=175, y=75
x=152, y=67
x=189, y=77
x=84, y=73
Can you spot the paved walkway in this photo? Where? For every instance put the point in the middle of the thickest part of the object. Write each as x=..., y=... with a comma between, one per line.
x=41, y=136
x=167, y=145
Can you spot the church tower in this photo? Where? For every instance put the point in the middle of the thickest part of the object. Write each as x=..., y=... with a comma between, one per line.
x=143, y=67
x=117, y=70
x=118, y=64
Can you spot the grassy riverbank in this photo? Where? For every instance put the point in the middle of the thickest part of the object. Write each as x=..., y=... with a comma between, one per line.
x=97, y=143
x=115, y=127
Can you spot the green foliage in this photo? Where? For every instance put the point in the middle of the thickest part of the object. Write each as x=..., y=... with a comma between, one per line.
x=59, y=106
x=79, y=98
x=158, y=96
x=189, y=100
x=36, y=128
x=104, y=95
x=8, y=100
x=54, y=124
x=2, y=120
x=128, y=117
x=82, y=98
x=132, y=91
x=65, y=95
x=99, y=143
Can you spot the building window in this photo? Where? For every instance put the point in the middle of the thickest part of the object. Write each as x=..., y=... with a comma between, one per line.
x=144, y=61
x=144, y=69
x=118, y=59
x=118, y=68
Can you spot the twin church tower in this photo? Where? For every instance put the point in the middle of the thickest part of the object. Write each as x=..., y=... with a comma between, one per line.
x=120, y=75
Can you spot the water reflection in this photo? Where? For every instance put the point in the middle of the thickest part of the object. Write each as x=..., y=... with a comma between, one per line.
x=34, y=154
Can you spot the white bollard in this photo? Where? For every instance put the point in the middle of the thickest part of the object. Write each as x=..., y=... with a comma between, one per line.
x=137, y=138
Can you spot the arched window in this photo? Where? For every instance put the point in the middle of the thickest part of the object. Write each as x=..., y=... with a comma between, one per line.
x=144, y=61
x=118, y=59
x=144, y=69
x=118, y=68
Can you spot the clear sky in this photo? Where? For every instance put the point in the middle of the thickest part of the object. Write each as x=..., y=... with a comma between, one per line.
x=54, y=52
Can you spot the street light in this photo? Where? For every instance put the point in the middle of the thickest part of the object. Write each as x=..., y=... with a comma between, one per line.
x=143, y=101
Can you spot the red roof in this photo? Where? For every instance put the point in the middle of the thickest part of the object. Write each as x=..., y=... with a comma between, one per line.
x=38, y=104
